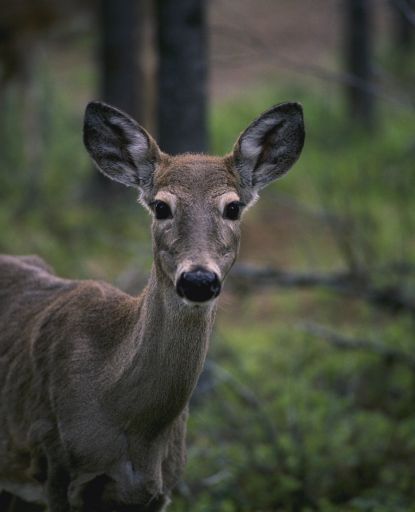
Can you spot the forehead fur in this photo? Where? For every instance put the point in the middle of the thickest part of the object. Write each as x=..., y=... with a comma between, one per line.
x=195, y=172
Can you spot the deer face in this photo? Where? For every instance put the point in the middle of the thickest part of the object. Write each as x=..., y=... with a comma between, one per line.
x=196, y=201
x=196, y=209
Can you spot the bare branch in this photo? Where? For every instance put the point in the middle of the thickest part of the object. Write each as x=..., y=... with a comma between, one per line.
x=256, y=46
x=346, y=343
x=353, y=284
x=405, y=9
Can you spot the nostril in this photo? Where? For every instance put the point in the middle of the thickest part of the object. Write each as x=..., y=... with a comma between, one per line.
x=199, y=285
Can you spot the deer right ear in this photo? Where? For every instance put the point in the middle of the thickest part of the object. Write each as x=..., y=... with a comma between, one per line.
x=119, y=146
x=269, y=146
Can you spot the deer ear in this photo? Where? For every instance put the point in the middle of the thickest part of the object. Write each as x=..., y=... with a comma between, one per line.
x=270, y=145
x=119, y=146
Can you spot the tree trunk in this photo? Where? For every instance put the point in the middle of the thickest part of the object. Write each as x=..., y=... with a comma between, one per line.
x=358, y=49
x=182, y=75
x=404, y=24
x=121, y=71
x=119, y=61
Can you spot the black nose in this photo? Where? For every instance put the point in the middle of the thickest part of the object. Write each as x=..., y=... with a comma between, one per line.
x=199, y=285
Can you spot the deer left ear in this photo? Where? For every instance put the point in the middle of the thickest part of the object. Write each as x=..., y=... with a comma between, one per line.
x=270, y=145
x=119, y=146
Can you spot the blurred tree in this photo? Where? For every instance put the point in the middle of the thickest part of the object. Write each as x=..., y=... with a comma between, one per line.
x=119, y=55
x=358, y=30
x=121, y=28
x=30, y=24
x=28, y=28
x=182, y=76
x=404, y=24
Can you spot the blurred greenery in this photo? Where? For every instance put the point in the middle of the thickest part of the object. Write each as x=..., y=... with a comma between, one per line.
x=288, y=422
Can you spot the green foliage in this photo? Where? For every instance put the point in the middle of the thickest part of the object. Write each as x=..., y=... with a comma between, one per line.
x=294, y=425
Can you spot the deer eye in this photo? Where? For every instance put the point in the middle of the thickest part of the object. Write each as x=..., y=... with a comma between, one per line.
x=232, y=210
x=161, y=210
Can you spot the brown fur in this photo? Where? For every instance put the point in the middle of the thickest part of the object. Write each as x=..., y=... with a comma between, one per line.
x=94, y=383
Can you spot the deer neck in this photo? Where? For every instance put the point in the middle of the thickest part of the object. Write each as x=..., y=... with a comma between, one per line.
x=168, y=347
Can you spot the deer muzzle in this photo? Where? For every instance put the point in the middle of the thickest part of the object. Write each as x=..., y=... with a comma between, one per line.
x=198, y=285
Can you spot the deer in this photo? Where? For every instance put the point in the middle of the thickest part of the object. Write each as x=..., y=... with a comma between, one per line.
x=95, y=383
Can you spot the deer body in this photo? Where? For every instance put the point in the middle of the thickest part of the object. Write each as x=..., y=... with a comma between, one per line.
x=94, y=383
x=124, y=402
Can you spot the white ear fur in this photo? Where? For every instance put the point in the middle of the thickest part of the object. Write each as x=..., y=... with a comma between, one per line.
x=119, y=146
x=270, y=145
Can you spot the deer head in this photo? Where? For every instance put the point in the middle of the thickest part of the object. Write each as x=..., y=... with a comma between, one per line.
x=196, y=201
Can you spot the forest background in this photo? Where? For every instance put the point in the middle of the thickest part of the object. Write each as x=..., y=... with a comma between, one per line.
x=307, y=399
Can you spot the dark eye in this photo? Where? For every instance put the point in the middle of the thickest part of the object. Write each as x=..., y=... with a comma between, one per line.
x=162, y=210
x=232, y=210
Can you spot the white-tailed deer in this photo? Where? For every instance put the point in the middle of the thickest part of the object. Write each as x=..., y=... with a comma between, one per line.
x=94, y=383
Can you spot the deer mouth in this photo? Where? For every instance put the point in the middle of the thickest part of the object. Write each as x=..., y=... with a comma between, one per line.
x=199, y=285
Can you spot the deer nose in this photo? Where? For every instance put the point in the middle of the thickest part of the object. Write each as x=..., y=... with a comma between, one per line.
x=199, y=285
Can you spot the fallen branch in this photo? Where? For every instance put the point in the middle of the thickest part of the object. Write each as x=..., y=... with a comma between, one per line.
x=390, y=297
x=390, y=354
